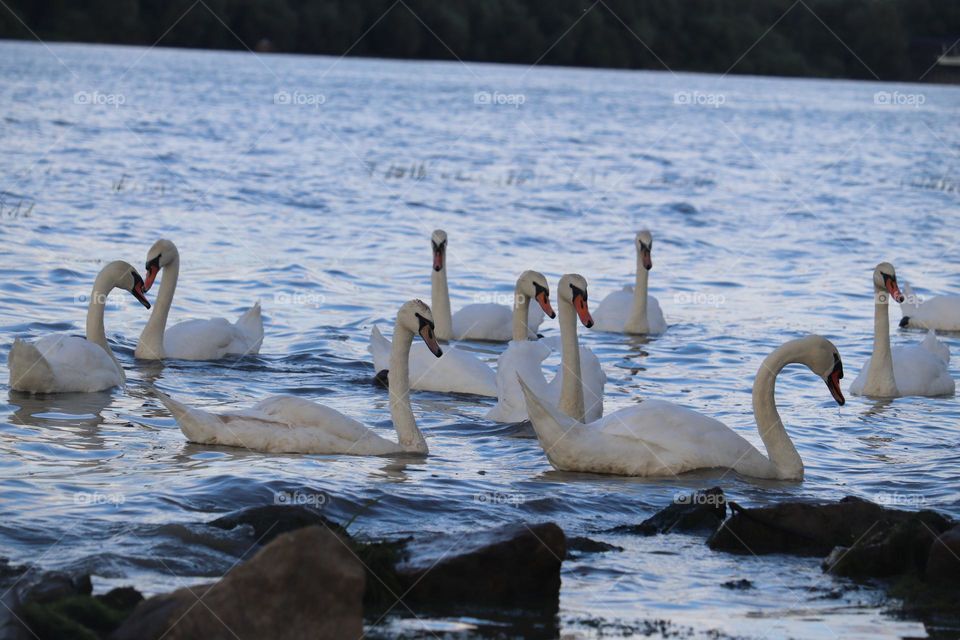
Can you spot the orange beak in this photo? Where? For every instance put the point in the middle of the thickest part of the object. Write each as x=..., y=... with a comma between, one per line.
x=647, y=260
x=152, y=271
x=544, y=300
x=426, y=332
x=892, y=288
x=139, y=292
x=833, y=381
x=437, y=258
x=580, y=304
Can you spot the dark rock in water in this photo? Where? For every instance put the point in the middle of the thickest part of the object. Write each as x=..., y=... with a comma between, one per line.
x=943, y=563
x=889, y=549
x=305, y=584
x=700, y=511
x=740, y=585
x=122, y=598
x=508, y=566
x=54, y=585
x=588, y=545
x=270, y=521
x=807, y=529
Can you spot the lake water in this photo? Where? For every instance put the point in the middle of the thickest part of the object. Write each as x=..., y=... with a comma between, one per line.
x=312, y=184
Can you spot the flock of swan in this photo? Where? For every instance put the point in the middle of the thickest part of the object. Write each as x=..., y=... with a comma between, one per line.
x=652, y=438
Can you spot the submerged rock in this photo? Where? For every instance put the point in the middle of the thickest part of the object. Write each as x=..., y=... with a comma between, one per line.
x=303, y=584
x=588, y=545
x=270, y=521
x=513, y=565
x=701, y=511
x=890, y=549
x=805, y=528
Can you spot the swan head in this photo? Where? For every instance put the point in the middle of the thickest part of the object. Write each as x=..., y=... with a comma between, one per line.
x=439, y=242
x=822, y=357
x=644, y=247
x=573, y=290
x=534, y=285
x=416, y=317
x=122, y=275
x=162, y=253
x=885, y=279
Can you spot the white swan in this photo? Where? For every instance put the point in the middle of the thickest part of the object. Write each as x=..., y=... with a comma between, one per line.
x=459, y=371
x=913, y=370
x=941, y=313
x=657, y=438
x=193, y=339
x=583, y=395
x=288, y=424
x=60, y=363
x=488, y=322
x=632, y=309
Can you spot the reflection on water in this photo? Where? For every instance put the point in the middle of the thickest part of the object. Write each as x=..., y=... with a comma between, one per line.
x=769, y=215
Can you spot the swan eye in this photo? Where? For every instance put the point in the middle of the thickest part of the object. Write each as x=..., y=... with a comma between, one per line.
x=577, y=291
x=538, y=289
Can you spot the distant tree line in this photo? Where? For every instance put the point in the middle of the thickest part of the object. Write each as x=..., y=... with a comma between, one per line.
x=894, y=39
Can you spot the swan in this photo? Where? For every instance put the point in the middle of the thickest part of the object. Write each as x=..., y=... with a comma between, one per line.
x=658, y=438
x=913, y=370
x=583, y=395
x=193, y=339
x=60, y=363
x=288, y=424
x=632, y=309
x=459, y=371
x=489, y=322
x=939, y=312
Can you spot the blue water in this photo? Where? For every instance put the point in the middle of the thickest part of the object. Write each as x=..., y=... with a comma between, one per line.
x=769, y=213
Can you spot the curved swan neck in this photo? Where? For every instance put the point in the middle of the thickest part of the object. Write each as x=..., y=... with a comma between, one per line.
x=521, y=311
x=571, y=386
x=399, y=383
x=637, y=322
x=440, y=303
x=151, y=339
x=780, y=449
x=96, y=333
x=880, y=379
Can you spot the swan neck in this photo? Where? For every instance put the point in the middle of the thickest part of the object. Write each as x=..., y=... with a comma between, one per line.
x=521, y=311
x=401, y=412
x=571, y=386
x=440, y=304
x=637, y=322
x=780, y=449
x=880, y=379
x=96, y=333
x=151, y=339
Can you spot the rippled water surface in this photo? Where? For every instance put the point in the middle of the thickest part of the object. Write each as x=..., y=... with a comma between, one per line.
x=769, y=215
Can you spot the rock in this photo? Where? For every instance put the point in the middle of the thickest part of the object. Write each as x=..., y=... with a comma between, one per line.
x=700, y=511
x=943, y=563
x=739, y=585
x=508, y=566
x=809, y=529
x=588, y=545
x=303, y=584
x=270, y=521
x=888, y=550
x=123, y=598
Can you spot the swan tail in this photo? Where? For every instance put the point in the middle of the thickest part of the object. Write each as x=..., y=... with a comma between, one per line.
x=194, y=423
x=550, y=424
x=379, y=347
x=250, y=325
x=935, y=346
x=29, y=370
